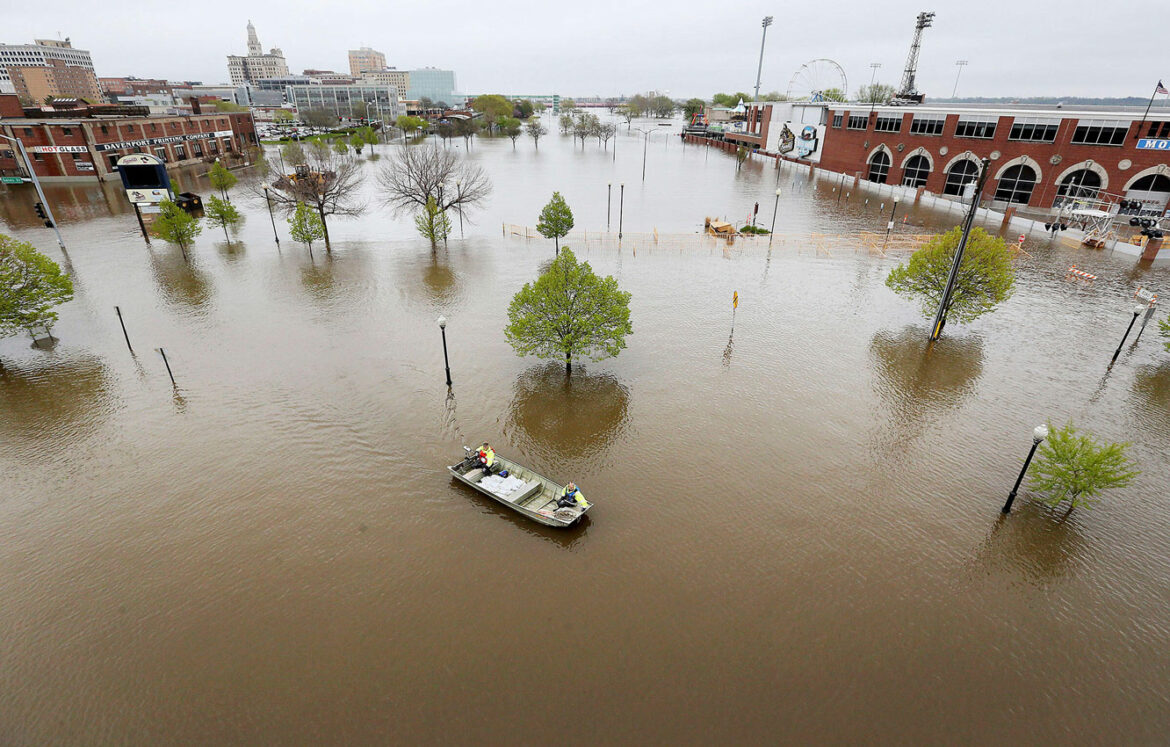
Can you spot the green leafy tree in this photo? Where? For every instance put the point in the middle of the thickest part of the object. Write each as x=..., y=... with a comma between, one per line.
x=638, y=105
x=833, y=94
x=1164, y=328
x=319, y=118
x=305, y=226
x=662, y=106
x=569, y=312
x=510, y=127
x=466, y=129
x=369, y=136
x=357, y=142
x=536, y=131
x=693, y=107
x=433, y=223
x=222, y=213
x=556, y=220
x=221, y=179
x=775, y=96
x=985, y=279
x=878, y=93
x=566, y=123
x=228, y=106
x=1078, y=468
x=492, y=106
x=730, y=100
x=568, y=105
x=31, y=285
x=176, y=226
x=292, y=153
x=340, y=146
x=523, y=109
x=282, y=116
x=410, y=125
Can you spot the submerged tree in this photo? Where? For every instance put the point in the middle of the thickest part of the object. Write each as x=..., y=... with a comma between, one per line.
x=292, y=153
x=1078, y=469
x=569, y=312
x=176, y=226
x=433, y=223
x=31, y=284
x=555, y=221
x=693, y=107
x=330, y=185
x=536, y=131
x=985, y=279
x=221, y=179
x=223, y=214
x=510, y=127
x=305, y=226
x=415, y=175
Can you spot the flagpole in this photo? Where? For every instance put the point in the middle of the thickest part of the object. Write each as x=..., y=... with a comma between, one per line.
x=1142, y=124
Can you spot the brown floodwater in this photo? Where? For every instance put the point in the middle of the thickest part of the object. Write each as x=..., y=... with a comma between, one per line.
x=796, y=534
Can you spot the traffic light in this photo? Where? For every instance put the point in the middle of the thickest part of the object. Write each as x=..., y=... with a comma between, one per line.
x=40, y=210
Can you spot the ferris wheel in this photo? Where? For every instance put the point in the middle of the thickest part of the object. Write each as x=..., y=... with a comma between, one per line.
x=814, y=78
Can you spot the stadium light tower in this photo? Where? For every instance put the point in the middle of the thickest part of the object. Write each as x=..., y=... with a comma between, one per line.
x=759, y=70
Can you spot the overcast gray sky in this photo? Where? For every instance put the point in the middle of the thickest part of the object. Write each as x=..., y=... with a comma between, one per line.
x=686, y=47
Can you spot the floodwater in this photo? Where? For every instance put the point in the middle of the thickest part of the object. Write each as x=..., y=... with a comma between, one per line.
x=796, y=534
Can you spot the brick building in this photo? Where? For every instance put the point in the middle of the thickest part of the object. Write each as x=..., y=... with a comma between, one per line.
x=35, y=83
x=84, y=144
x=1040, y=156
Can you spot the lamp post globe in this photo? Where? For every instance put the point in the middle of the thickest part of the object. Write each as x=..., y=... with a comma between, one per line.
x=442, y=322
x=1039, y=433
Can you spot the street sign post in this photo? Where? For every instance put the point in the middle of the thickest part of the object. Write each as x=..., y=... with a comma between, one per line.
x=12, y=180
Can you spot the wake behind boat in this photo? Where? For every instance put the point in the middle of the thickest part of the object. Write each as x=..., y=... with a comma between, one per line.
x=522, y=490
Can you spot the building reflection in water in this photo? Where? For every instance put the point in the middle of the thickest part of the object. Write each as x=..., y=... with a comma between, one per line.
x=565, y=420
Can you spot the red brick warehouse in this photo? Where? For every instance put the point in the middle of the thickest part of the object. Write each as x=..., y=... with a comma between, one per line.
x=1039, y=155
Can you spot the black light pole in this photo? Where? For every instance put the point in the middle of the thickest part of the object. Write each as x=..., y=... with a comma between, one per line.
x=1137, y=309
x=124, y=333
x=271, y=217
x=446, y=362
x=138, y=212
x=893, y=210
x=621, y=209
x=940, y=317
x=608, y=204
x=775, y=209
x=1039, y=433
x=645, y=146
x=168, y=365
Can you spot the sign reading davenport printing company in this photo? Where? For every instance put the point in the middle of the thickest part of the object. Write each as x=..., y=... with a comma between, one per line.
x=161, y=140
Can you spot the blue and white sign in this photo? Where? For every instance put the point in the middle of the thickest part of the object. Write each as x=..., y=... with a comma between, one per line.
x=1152, y=144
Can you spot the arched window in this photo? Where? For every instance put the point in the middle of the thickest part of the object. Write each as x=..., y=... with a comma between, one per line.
x=1016, y=184
x=879, y=166
x=1152, y=183
x=1080, y=184
x=962, y=172
x=917, y=169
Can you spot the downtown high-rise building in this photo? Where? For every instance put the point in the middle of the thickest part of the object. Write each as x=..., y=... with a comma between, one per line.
x=257, y=64
x=63, y=66
x=365, y=60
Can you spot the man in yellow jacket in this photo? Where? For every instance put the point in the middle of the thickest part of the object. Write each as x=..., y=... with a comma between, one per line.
x=487, y=457
x=571, y=496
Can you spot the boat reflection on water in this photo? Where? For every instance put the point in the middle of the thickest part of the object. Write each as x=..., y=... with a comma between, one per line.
x=566, y=421
x=919, y=381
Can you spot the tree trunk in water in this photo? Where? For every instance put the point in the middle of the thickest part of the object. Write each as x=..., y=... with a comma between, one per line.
x=325, y=227
x=568, y=363
x=557, y=244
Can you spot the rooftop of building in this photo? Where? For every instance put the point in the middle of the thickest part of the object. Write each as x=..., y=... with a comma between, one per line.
x=1011, y=110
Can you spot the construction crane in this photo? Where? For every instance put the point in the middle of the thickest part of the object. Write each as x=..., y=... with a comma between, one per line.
x=908, y=93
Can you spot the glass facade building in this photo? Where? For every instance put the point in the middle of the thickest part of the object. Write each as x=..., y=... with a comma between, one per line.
x=340, y=100
x=435, y=84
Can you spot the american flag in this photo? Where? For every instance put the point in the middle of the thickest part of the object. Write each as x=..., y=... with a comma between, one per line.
x=1161, y=88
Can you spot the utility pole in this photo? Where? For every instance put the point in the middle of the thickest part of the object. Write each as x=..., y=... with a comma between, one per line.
x=872, y=99
x=959, y=64
x=40, y=192
x=940, y=318
x=759, y=70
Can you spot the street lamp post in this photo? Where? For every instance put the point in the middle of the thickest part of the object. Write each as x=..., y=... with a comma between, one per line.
x=271, y=217
x=37, y=184
x=608, y=204
x=621, y=209
x=446, y=362
x=1137, y=309
x=959, y=64
x=759, y=70
x=1039, y=433
x=775, y=209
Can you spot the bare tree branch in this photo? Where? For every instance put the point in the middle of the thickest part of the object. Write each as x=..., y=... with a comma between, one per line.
x=415, y=174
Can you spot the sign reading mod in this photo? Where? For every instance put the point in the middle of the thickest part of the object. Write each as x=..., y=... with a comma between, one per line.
x=1152, y=144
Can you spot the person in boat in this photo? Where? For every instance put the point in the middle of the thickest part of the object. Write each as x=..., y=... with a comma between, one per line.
x=487, y=457
x=571, y=496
